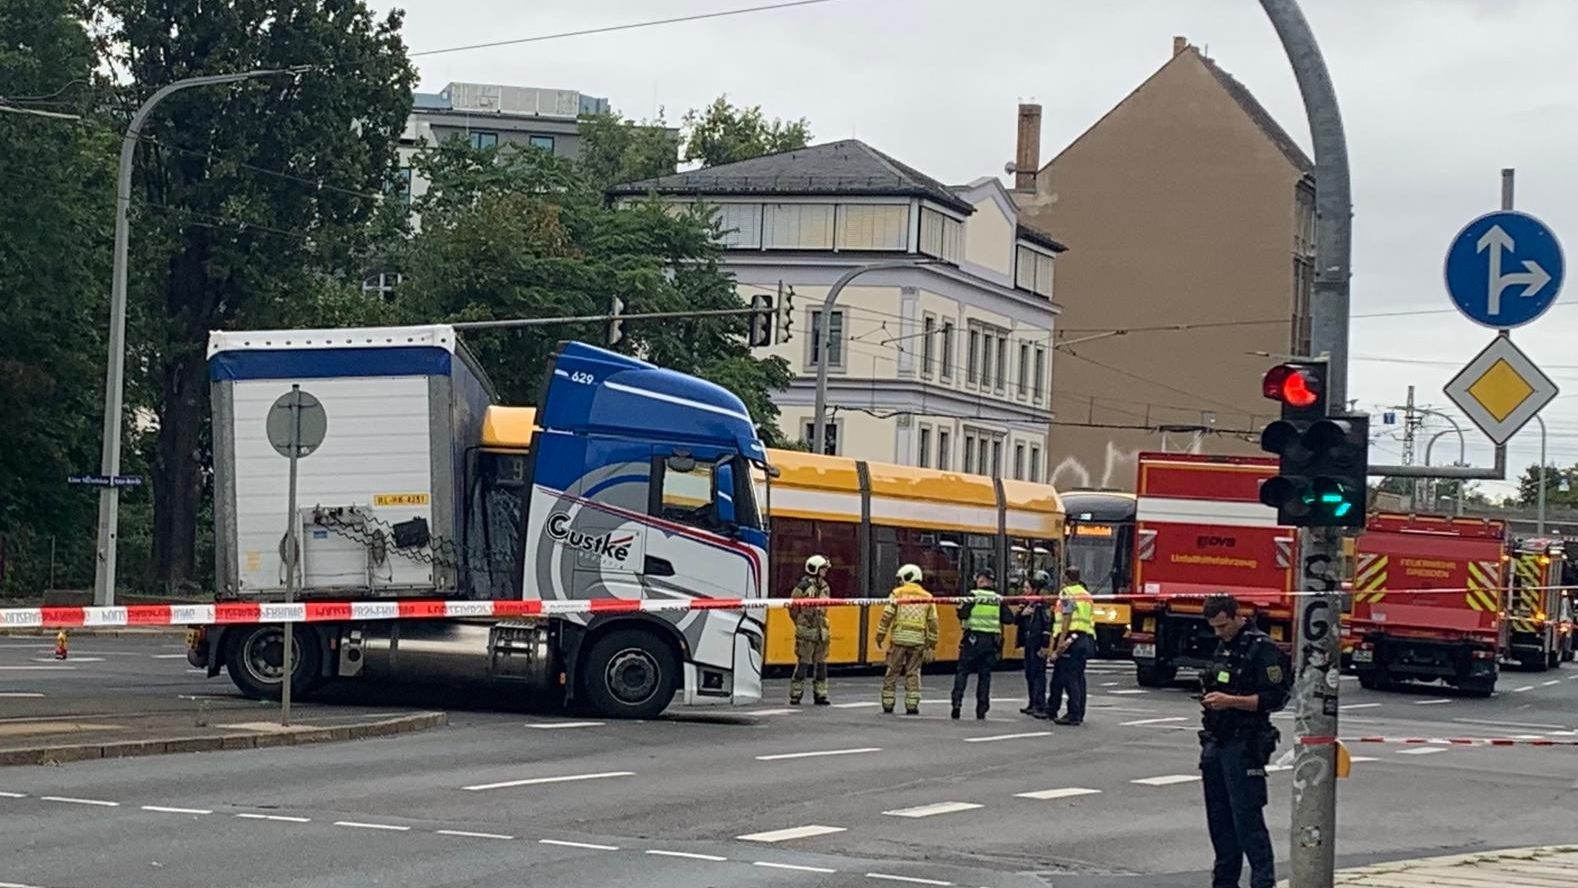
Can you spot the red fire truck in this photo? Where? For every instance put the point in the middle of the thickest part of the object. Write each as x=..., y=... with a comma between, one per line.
x=1396, y=632
x=1200, y=528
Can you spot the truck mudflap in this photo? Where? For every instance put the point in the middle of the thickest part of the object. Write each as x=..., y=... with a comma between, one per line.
x=709, y=685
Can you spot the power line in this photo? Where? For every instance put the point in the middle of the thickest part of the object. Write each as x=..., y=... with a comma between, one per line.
x=630, y=26
x=1198, y=397
x=223, y=223
x=305, y=180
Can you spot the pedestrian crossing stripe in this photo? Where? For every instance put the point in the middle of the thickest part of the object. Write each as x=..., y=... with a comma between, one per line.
x=1483, y=581
x=1369, y=580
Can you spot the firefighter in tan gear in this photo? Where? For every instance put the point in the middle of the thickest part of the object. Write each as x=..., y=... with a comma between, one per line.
x=910, y=620
x=810, y=633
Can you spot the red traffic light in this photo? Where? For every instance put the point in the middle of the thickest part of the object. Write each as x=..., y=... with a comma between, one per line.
x=1292, y=385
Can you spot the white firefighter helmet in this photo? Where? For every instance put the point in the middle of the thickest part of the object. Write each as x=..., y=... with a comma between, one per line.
x=816, y=564
x=909, y=573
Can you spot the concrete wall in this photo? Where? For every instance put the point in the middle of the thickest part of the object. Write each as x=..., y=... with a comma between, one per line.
x=1177, y=209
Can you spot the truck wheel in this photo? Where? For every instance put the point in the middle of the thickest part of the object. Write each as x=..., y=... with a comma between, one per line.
x=1155, y=676
x=1534, y=662
x=255, y=655
x=629, y=673
x=1371, y=680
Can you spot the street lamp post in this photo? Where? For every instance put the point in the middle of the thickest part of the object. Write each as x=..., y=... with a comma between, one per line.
x=115, y=372
x=818, y=427
x=1462, y=459
x=1539, y=513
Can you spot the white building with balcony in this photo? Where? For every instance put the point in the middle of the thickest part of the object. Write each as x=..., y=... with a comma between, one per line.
x=945, y=364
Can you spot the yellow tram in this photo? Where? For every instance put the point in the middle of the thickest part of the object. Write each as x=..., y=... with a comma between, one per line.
x=868, y=518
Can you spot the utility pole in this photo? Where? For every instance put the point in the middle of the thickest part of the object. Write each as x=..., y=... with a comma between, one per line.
x=1315, y=689
x=1411, y=424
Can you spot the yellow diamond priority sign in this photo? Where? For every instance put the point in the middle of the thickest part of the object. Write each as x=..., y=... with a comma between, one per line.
x=1501, y=390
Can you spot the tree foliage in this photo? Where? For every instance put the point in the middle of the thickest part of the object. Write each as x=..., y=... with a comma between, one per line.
x=723, y=133
x=616, y=149
x=247, y=195
x=1555, y=479
x=54, y=274
x=511, y=233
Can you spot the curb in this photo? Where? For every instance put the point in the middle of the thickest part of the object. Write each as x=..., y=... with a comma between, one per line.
x=1357, y=875
x=59, y=755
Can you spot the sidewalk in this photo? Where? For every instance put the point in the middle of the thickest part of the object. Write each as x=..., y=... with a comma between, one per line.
x=1548, y=867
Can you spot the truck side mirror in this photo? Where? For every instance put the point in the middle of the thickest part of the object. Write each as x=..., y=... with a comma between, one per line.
x=723, y=496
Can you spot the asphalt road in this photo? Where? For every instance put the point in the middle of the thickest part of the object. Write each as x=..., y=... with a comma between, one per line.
x=768, y=795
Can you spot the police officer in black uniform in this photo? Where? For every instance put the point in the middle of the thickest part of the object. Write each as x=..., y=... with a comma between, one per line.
x=1246, y=682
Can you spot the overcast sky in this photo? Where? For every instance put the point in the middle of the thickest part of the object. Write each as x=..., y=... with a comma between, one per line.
x=1437, y=97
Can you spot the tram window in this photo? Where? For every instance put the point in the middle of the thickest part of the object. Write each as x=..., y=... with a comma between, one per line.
x=796, y=539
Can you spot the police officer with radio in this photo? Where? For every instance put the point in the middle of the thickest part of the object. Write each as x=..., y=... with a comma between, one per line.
x=1246, y=682
x=982, y=617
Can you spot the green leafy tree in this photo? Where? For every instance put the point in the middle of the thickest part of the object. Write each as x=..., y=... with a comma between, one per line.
x=616, y=149
x=511, y=233
x=723, y=133
x=54, y=275
x=1555, y=479
x=248, y=196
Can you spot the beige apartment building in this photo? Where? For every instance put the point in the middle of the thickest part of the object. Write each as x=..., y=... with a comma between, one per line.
x=1187, y=206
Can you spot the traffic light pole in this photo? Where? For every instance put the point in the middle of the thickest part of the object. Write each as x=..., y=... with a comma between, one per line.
x=1318, y=651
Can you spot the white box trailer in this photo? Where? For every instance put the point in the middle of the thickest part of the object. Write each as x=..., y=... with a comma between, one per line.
x=379, y=515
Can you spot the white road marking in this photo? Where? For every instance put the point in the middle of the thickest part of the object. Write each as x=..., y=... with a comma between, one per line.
x=472, y=835
x=1152, y=721
x=1049, y=794
x=1360, y=759
x=277, y=818
x=30, y=695
x=1431, y=702
x=771, y=711
x=1105, y=684
x=554, y=726
x=71, y=801
x=784, y=756
x=860, y=705
x=797, y=832
x=13, y=795
x=1423, y=750
x=910, y=879
x=73, y=659
x=587, y=845
x=1543, y=684
x=170, y=656
x=537, y=781
x=38, y=668
x=934, y=810
x=1167, y=780
x=1522, y=689
x=1130, y=691
x=160, y=809
x=657, y=852
x=793, y=866
x=357, y=824
x=1344, y=708
x=992, y=738
x=15, y=885
x=1506, y=724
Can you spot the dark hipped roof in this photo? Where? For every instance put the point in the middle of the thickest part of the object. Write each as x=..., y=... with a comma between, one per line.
x=1039, y=238
x=848, y=167
x=1261, y=117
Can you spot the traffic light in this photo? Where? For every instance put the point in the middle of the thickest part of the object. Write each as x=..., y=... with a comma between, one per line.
x=1323, y=459
x=616, y=324
x=785, y=313
x=761, y=320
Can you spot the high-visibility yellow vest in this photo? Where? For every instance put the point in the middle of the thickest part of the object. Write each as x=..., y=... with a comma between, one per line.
x=1076, y=609
x=986, y=613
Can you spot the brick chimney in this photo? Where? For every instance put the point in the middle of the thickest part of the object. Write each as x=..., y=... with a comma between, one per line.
x=1180, y=43
x=1027, y=159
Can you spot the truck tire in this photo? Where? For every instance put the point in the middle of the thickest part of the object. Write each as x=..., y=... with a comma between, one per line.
x=1534, y=662
x=1155, y=676
x=629, y=673
x=1372, y=680
x=253, y=659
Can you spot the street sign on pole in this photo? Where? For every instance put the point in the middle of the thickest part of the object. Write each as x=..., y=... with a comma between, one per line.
x=1501, y=390
x=296, y=426
x=1504, y=269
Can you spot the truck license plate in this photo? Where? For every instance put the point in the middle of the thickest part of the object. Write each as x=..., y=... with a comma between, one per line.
x=1145, y=652
x=1363, y=656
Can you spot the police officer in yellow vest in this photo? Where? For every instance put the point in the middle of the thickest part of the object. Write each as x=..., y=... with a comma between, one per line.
x=910, y=620
x=1074, y=640
x=982, y=618
x=810, y=633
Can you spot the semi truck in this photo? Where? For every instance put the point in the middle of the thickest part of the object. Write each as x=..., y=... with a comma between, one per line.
x=1399, y=630
x=1200, y=528
x=626, y=484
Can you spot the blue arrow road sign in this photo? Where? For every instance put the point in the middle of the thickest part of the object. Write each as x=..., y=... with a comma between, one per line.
x=1504, y=269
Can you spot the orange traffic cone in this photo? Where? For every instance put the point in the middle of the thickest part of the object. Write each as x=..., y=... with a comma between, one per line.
x=60, y=645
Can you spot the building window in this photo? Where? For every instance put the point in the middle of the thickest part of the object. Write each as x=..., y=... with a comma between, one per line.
x=797, y=226
x=972, y=357
x=1033, y=271
x=997, y=457
x=481, y=140
x=1002, y=362
x=1035, y=463
x=829, y=445
x=543, y=142
x=928, y=346
x=944, y=449
x=947, y=350
x=1303, y=293
x=873, y=227
x=740, y=226
x=986, y=360
x=1019, y=462
x=1041, y=374
x=941, y=236
x=835, y=338
x=381, y=282
x=1024, y=369
x=923, y=454
x=969, y=453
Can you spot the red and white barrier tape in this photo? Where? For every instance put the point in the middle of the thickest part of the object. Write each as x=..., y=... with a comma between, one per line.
x=1436, y=741
x=437, y=609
